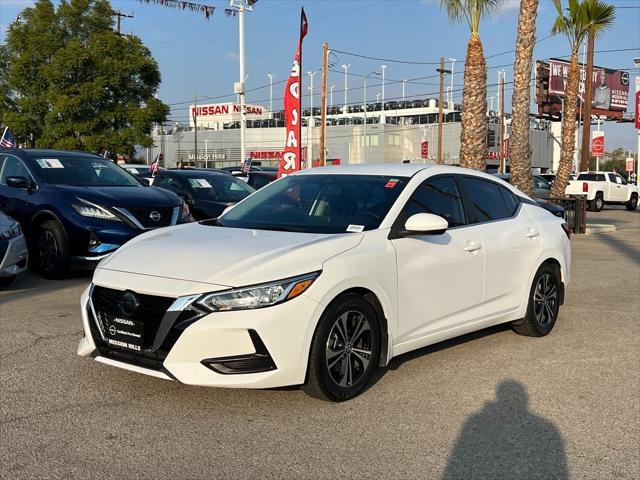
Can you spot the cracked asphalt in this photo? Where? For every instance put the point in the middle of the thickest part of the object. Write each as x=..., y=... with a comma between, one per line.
x=489, y=405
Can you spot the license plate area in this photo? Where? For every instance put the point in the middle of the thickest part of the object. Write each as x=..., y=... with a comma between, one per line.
x=123, y=332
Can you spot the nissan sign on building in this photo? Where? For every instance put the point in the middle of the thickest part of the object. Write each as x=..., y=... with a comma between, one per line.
x=215, y=115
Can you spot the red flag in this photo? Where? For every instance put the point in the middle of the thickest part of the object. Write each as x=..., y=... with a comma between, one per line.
x=292, y=156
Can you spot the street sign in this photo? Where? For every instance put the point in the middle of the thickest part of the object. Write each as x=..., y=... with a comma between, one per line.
x=629, y=165
x=424, y=149
x=597, y=144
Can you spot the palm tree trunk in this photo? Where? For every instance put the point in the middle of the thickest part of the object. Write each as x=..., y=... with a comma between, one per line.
x=473, y=139
x=568, y=128
x=521, y=103
x=585, y=152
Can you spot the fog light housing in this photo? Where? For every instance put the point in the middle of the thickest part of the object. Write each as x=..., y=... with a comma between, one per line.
x=257, y=362
x=94, y=240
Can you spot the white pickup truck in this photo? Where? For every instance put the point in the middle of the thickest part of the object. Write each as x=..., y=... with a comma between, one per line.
x=604, y=188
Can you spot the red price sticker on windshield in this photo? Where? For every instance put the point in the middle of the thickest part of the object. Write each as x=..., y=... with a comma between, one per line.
x=391, y=183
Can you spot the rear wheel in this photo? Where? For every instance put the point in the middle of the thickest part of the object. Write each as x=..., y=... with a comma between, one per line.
x=544, y=303
x=633, y=203
x=344, y=351
x=597, y=203
x=52, y=250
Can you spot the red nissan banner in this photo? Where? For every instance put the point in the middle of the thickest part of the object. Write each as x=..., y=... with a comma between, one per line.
x=292, y=155
x=597, y=144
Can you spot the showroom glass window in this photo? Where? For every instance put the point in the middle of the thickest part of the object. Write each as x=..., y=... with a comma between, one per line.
x=489, y=201
x=439, y=196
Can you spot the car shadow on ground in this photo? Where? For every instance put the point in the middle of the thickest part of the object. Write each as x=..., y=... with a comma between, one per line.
x=30, y=283
x=506, y=440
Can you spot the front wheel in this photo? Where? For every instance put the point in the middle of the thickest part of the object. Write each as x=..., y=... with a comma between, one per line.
x=52, y=250
x=544, y=303
x=633, y=203
x=344, y=351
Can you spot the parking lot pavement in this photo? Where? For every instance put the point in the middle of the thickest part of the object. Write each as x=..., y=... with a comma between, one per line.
x=490, y=405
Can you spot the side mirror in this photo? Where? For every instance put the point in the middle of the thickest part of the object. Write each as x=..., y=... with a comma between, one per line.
x=17, y=182
x=425, y=224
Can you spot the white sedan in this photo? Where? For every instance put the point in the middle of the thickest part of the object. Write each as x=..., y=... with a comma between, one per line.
x=321, y=277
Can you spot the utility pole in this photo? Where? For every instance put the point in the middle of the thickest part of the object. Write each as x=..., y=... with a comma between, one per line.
x=271, y=75
x=323, y=103
x=310, y=122
x=239, y=87
x=403, y=82
x=195, y=128
x=346, y=84
x=383, y=68
x=453, y=64
x=121, y=15
x=364, y=125
x=502, y=157
x=442, y=73
x=331, y=87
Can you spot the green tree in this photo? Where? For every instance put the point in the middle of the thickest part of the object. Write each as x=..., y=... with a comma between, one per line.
x=573, y=24
x=78, y=84
x=473, y=149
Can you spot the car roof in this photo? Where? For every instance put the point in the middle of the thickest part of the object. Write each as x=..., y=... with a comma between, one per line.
x=47, y=152
x=383, y=169
x=197, y=173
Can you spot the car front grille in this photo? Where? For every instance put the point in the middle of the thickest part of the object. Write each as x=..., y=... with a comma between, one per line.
x=153, y=217
x=151, y=311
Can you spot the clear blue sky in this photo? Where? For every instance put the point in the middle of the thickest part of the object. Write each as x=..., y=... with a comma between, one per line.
x=197, y=56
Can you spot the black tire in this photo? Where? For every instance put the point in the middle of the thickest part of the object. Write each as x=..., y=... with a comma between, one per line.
x=51, y=253
x=337, y=370
x=633, y=203
x=597, y=204
x=6, y=281
x=544, y=303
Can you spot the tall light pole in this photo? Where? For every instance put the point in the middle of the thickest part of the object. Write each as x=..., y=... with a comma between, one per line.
x=383, y=68
x=331, y=87
x=636, y=60
x=453, y=62
x=403, y=82
x=271, y=75
x=206, y=151
x=239, y=87
x=311, y=122
x=346, y=84
x=364, y=125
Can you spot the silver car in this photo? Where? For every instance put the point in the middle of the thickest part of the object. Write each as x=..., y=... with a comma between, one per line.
x=13, y=250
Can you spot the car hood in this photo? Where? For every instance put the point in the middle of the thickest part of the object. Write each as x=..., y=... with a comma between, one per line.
x=126, y=197
x=230, y=257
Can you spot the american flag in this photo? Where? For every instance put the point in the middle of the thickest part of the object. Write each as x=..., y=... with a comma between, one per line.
x=246, y=165
x=8, y=140
x=155, y=166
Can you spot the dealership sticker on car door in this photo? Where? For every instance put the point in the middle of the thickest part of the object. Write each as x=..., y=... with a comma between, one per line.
x=355, y=228
x=199, y=183
x=49, y=163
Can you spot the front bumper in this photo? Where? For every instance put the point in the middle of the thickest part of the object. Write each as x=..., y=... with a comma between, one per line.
x=216, y=348
x=13, y=256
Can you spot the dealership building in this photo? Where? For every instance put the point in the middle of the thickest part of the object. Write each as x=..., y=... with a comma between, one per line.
x=394, y=132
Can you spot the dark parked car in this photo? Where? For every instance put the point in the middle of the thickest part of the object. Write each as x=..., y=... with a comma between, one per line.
x=76, y=208
x=13, y=250
x=141, y=172
x=207, y=192
x=540, y=193
x=257, y=180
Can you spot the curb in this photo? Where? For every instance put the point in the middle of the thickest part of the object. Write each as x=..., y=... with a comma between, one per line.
x=599, y=228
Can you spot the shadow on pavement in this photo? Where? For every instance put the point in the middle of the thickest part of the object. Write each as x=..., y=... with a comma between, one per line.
x=30, y=283
x=621, y=246
x=505, y=440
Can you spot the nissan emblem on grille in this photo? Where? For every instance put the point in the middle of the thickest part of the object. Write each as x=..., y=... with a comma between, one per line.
x=129, y=303
x=155, y=216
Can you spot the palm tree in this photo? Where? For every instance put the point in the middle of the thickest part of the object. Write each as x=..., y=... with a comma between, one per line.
x=573, y=24
x=521, y=103
x=601, y=16
x=474, y=95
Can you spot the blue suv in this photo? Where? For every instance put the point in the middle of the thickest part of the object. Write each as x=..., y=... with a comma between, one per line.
x=76, y=208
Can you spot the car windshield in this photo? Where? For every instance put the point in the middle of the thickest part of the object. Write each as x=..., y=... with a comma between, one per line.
x=318, y=204
x=84, y=171
x=220, y=188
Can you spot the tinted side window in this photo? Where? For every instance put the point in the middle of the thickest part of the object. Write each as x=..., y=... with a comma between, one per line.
x=439, y=196
x=487, y=200
x=510, y=200
x=612, y=177
x=12, y=167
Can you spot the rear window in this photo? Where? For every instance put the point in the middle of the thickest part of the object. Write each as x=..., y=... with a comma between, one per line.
x=592, y=177
x=489, y=200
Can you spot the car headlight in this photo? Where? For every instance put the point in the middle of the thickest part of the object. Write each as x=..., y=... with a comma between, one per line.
x=88, y=209
x=13, y=231
x=258, y=296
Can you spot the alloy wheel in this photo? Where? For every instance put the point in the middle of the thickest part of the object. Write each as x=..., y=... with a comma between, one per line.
x=47, y=250
x=545, y=299
x=349, y=348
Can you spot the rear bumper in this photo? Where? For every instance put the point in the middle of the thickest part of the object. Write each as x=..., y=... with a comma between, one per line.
x=15, y=259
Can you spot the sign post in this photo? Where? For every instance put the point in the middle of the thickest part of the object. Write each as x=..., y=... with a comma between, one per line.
x=424, y=149
x=597, y=147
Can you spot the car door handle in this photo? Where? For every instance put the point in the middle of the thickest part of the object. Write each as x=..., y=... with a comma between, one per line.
x=472, y=247
x=532, y=233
